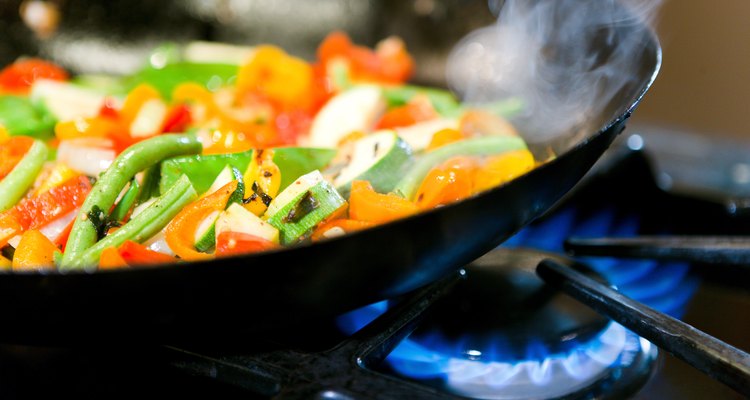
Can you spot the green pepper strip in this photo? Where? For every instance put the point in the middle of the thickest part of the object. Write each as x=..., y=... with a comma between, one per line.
x=20, y=179
x=144, y=225
x=104, y=193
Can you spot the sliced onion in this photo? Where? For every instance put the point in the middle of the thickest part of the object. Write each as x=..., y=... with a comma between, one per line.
x=90, y=156
x=159, y=243
x=52, y=230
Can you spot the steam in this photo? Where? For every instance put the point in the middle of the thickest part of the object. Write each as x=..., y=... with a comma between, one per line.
x=564, y=59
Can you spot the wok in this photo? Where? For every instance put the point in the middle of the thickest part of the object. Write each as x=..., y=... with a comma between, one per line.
x=260, y=293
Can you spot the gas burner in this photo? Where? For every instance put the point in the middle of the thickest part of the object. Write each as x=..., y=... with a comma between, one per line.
x=501, y=333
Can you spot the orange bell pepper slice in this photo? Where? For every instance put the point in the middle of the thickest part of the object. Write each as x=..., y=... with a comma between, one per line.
x=284, y=79
x=346, y=225
x=503, y=168
x=443, y=137
x=180, y=233
x=448, y=182
x=365, y=204
x=111, y=259
x=34, y=252
x=84, y=127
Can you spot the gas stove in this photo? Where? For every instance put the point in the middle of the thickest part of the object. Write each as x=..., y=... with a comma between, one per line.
x=492, y=330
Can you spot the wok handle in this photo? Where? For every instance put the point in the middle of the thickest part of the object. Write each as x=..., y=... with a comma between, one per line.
x=734, y=250
x=708, y=354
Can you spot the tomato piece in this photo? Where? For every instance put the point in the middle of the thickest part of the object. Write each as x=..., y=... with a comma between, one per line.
x=137, y=254
x=365, y=204
x=19, y=76
x=180, y=233
x=12, y=151
x=234, y=243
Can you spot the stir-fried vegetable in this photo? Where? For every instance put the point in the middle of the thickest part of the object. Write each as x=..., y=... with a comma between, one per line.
x=215, y=150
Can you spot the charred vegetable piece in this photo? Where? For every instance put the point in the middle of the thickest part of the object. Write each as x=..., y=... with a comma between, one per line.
x=302, y=206
x=206, y=233
x=380, y=158
x=237, y=219
x=180, y=233
x=104, y=193
x=202, y=169
x=482, y=146
x=141, y=227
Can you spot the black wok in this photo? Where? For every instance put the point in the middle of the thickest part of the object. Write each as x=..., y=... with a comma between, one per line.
x=260, y=293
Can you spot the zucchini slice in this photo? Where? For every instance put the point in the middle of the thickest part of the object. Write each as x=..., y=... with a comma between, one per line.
x=379, y=158
x=297, y=210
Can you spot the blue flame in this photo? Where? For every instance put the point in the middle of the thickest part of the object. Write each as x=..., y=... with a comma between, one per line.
x=478, y=372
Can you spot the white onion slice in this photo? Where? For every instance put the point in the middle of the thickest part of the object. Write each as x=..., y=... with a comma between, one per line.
x=52, y=230
x=90, y=156
x=159, y=243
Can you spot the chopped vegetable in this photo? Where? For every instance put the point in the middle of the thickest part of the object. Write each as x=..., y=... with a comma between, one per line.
x=15, y=184
x=214, y=150
x=481, y=146
x=34, y=252
x=365, y=204
x=302, y=206
x=108, y=187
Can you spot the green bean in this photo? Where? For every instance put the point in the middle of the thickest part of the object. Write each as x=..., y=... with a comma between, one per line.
x=20, y=179
x=134, y=159
x=144, y=225
x=126, y=201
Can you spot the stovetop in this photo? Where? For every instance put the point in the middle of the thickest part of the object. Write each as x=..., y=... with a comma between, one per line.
x=341, y=359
